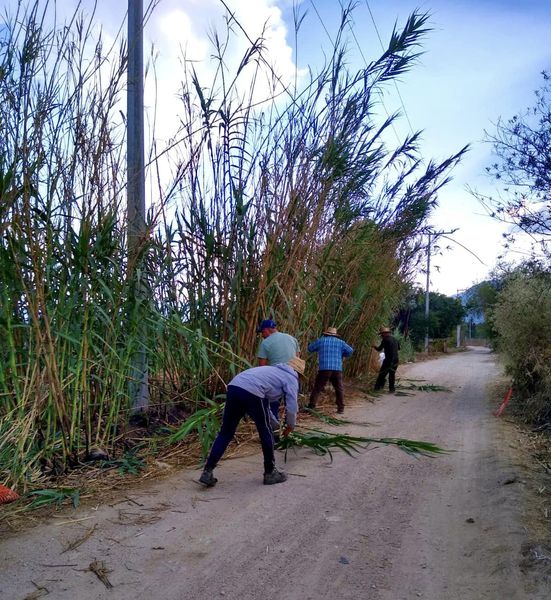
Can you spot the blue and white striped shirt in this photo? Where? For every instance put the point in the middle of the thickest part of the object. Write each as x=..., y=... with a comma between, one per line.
x=331, y=350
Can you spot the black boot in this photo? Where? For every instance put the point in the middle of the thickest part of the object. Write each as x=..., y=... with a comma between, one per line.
x=274, y=476
x=207, y=478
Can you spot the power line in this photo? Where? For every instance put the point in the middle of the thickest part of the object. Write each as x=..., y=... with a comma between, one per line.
x=364, y=59
x=322, y=22
x=394, y=81
x=379, y=91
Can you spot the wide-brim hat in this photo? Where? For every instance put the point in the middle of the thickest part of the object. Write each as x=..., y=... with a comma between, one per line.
x=330, y=331
x=297, y=364
x=384, y=330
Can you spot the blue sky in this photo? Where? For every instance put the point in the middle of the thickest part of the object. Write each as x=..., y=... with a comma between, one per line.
x=482, y=60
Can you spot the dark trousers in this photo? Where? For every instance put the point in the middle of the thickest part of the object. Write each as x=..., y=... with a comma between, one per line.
x=239, y=403
x=387, y=368
x=274, y=407
x=335, y=377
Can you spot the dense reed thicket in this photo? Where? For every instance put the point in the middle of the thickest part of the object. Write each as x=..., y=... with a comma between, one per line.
x=294, y=207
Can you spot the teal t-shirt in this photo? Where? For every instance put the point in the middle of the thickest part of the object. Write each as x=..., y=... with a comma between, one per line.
x=278, y=348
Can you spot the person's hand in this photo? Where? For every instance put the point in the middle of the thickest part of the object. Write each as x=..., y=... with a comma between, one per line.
x=288, y=429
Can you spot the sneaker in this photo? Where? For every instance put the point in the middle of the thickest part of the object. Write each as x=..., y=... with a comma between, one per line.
x=207, y=478
x=274, y=477
x=340, y=410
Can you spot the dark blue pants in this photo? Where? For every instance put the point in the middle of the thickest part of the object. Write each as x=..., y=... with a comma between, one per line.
x=239, y=403
x=274, y=407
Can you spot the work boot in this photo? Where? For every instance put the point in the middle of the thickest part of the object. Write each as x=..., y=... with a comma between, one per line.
x=207, y=478
x=274, y=477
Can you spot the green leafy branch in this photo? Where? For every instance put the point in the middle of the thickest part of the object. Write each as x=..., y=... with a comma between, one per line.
x=55, y=496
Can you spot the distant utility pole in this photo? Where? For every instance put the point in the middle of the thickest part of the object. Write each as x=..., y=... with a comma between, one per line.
x=139, y=390
x=427, y=289
x=459, y=327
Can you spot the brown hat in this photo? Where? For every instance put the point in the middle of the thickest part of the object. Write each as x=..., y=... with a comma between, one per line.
x=297, y=364
x=384, y=330
x=330, y=331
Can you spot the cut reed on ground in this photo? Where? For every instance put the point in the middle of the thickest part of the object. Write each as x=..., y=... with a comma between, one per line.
x=323, y=443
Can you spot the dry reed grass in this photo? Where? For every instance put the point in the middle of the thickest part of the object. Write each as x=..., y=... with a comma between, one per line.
x=295, y=209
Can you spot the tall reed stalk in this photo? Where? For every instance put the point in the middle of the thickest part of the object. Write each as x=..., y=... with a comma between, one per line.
x=292, y=207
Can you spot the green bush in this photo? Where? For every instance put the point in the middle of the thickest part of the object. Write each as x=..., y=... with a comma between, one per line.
x=522, y=318
x=407, y=351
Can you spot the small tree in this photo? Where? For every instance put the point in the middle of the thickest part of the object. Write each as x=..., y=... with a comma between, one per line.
x=481, y=299
x=445, y=314
x=522, y=147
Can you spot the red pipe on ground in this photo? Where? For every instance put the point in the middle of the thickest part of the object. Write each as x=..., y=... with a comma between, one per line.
x=504, y=403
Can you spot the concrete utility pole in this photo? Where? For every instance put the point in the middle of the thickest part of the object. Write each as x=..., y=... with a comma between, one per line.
x=139, y=390
x=427, y=288
x=427, y=301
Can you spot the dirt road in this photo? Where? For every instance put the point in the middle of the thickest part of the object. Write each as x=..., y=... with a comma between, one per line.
x=383, y=526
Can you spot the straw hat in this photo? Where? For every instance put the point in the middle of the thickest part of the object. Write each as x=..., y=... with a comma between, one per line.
x=384, y=330
x=330, y=331
x=297, y=364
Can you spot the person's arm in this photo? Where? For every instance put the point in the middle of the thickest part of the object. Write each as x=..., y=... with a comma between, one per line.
x=346, y=349
x=313, y=346
x=379, y=347
x=290, y=391
x=262, y=354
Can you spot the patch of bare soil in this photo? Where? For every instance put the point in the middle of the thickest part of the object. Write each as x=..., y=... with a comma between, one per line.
x=530, y=452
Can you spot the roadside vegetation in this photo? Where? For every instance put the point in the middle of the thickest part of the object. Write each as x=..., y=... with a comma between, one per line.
x=517, y=301
x=295, y=208
x=445, y=314
x=518, y=314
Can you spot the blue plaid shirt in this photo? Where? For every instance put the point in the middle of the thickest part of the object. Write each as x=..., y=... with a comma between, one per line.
x=331, y=350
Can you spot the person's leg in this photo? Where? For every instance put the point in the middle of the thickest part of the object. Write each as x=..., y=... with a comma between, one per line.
x=392, y=377
x=321, y=379
x=234, y=411
x=274, y=413
x=336, y=380
x=381, y=378
x=258, y=410
x=274, y=407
